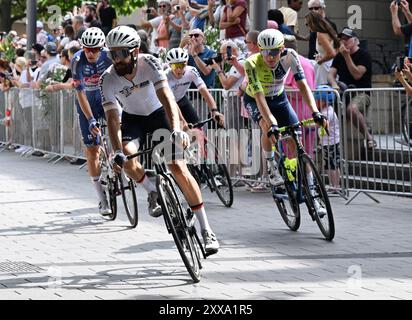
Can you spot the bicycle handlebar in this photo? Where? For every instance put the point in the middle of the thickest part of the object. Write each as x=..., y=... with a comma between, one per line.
x=202, y=123
x=304, y=123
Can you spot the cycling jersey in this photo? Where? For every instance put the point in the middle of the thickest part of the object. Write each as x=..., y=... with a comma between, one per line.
x=180, y=86
x=137, y=97
x=86, y=78
x=261, y=78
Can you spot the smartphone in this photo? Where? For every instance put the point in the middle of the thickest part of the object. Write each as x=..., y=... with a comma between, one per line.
x=398, y=2
x=229, y=52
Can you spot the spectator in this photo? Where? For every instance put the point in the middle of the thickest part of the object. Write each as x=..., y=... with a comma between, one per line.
x=177, y=24
x=162, y=39
x=37, y=50
x=319, y=7
x=216, y=15
x=91, y=17
x=325, y=99
x=277, y=16
x=144, y=41
x=51, y=58
x=107, y=16
x=327, y=44
x=68, y=37
x=353, y=65
x=290, y=14
x=41, y=35
x=20, y=52
x=78, y=26
x=66, y=84
x=199, y=9
x=199, y=55
x=233, y=20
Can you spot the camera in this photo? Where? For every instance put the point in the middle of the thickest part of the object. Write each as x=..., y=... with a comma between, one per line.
x=218, y=58
x=148, y=11
x=177, y=8
x=229, y=52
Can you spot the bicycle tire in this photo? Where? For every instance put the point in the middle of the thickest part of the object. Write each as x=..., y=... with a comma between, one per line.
x=288, y=208
x=326, y=224
x=220, y=172
x=109, y=183
x=406, y=124
x=127, y=187
x=176, y=225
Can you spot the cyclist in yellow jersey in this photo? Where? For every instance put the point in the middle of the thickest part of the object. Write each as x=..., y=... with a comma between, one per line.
x=265, y=97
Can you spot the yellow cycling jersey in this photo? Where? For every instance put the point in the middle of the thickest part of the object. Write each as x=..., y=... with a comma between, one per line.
x=271, y=81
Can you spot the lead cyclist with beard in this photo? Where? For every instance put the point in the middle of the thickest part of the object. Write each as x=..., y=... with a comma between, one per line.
x=139, y=83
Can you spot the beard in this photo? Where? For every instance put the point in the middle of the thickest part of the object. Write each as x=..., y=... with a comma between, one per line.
x=123, y=69
x=89, y=18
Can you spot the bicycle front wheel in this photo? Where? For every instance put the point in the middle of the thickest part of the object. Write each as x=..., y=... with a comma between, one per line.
x=176, y=225
x=406, y=116
x=287, y=202
x=109, y=183
x=127, y=189
x=316, y=197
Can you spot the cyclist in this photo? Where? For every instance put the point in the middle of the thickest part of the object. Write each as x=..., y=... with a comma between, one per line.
x=87, y=66
x=139, y=83
x=266, y=100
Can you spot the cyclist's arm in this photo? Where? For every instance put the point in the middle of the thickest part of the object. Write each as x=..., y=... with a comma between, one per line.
x=168, y=102
x=113, y=124
x=84, y=104
x=208, y=98
x=307, y=94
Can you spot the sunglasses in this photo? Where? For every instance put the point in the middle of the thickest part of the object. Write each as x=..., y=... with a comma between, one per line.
x=247, y=42
x=162, y=6
x=314, y=8
x=120, y=54
x=92, y=50
x=43, y=57
x=196, y=35
x=271, y=52
x=180, y=65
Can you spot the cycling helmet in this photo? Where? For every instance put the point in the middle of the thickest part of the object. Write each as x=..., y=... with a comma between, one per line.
x=324, y=93
x=123, y=36
x=177, y=55
x=92, y=38
x=270, y=39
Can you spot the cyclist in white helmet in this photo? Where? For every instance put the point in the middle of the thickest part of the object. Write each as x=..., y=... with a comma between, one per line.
x=180, y=76
x=265, y=97
x=87, y=66
x=139, y=83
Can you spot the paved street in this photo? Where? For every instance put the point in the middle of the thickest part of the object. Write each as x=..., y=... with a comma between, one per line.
x=55, y=246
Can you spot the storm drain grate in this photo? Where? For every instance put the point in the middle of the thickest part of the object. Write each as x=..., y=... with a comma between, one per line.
x=18, y=267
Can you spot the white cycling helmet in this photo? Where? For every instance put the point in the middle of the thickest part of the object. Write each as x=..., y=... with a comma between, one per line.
x=123, y=36
x=270, y=39
x=92, y=38
x=177, y=55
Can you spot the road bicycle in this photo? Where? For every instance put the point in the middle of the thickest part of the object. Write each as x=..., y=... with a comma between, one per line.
x=179, y=219
x=116, y=185
x=296, y=188
x=213, y=175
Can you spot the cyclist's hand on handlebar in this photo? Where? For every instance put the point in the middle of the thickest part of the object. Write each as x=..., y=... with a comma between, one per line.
x=94, y=127
x=180, y=137
x=118, y=161
x=321, y=120
x=273, y=133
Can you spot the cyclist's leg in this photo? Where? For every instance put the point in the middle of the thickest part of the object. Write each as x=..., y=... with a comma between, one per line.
x=92, y=152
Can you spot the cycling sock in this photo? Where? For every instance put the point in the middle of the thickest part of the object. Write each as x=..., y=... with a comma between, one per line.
x=99, y=189
x=269, y=154
x=200, y=213
x=147, y=184
x=310, y=179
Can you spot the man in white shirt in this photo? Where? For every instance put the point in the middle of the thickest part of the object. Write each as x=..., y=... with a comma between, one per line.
x=290, y=14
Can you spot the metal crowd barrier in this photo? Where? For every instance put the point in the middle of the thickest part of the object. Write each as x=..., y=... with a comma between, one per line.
x=384, y=167
x=48, y=123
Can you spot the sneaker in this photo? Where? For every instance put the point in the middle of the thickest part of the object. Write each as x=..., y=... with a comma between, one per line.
x=211, y=243
x=274, y=176
x=104, y=208
x=21, y=149
x=155, y=210
x=320, y=210
x=260, y=188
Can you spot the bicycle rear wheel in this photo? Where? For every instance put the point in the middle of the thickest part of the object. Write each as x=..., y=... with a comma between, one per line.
x=219, y=178
x=175, y=222
x=316, y=197
x=287, y=201
x=127, y=189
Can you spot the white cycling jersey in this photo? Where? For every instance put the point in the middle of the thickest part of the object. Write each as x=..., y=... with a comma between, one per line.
x=180, y=86
x=138, y=96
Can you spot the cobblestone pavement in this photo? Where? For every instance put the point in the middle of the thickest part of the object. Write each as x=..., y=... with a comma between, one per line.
x=54, y=245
